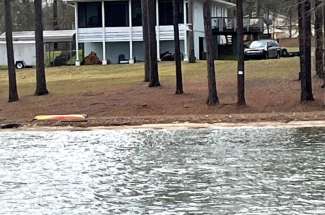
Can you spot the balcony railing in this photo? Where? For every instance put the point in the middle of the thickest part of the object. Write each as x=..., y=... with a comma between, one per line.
x=229, y=24
x=124, y=34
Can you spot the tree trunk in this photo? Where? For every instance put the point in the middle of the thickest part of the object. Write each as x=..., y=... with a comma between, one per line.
x=290, y=23
x=55, y=19
x=179, y=81
x=41, y=88
x=301, y=39
x=192, y=58
x=268, y=22
x=145, y=30
x=306, y=80
x=55, y=15
x=212, y=86
x=13, y=94
x=241, y=62
x=153, y=64
x=258, y=8
x=319, y=37
x=323, y=74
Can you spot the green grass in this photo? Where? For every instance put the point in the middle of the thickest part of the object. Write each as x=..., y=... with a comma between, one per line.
x=293, y=49
x=3, y=67
x=67, y=80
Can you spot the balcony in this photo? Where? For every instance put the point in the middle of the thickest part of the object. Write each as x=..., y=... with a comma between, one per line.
x=126, y=34
x=228, y=25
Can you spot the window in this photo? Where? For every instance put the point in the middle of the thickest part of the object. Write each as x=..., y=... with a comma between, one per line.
x=117, y=13
x=136, y=13
x=166, y=12
x=89, y=15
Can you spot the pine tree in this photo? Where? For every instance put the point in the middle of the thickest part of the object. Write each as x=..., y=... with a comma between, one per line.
x=13, y=94
x=41, y=88
x=178, y=60
x=212, y=85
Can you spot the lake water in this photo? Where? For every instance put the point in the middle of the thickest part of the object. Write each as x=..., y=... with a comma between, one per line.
x=163, y=171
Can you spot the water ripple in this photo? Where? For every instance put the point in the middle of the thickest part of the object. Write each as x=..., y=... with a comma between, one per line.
x=163, y=171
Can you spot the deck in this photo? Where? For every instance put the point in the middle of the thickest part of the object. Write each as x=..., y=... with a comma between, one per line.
x=228, y=25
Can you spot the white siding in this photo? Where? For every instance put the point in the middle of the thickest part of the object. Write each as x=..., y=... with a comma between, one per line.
x=198, y=22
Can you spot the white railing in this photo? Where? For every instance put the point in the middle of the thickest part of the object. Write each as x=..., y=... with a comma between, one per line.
x=122, y=34
x=226, y=24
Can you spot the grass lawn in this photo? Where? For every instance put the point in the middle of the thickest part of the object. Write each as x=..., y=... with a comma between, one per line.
x=119, y=90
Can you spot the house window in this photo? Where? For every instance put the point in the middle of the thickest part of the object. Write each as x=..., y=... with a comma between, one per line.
x=136, y=13
x=89, y=15
x=166, y=12
x=117, y=13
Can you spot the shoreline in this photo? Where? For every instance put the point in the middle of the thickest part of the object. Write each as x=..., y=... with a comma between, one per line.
x=251, y=125
x=293, y=119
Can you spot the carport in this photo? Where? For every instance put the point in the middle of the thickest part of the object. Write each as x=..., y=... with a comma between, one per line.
x=59, y=48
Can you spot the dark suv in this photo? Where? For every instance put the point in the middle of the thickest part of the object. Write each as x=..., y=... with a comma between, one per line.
x=263, y=49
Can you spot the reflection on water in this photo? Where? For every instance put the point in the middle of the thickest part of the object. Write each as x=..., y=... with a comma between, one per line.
x=163, y=171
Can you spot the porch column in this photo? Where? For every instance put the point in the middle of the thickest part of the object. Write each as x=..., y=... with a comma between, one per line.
x=157, y=30
x=104, y=61
x=131, y=61
x=185, y=32
x=77, y=36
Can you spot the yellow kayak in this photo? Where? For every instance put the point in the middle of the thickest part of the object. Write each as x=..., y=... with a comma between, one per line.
x=62, y=118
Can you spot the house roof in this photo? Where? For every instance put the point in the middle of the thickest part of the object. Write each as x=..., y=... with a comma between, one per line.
x=225, y=2
x=49, y=36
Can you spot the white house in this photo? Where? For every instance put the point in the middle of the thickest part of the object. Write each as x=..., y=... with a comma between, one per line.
x=114, y=27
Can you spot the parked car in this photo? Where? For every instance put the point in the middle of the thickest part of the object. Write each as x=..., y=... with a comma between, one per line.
x=264, y=49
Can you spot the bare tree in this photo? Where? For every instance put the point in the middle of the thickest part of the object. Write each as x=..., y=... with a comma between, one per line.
x=13, y=94
x=241, y=61
x=212, y=85
x=179, y=81
x=41, y=88
x=145, y=30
